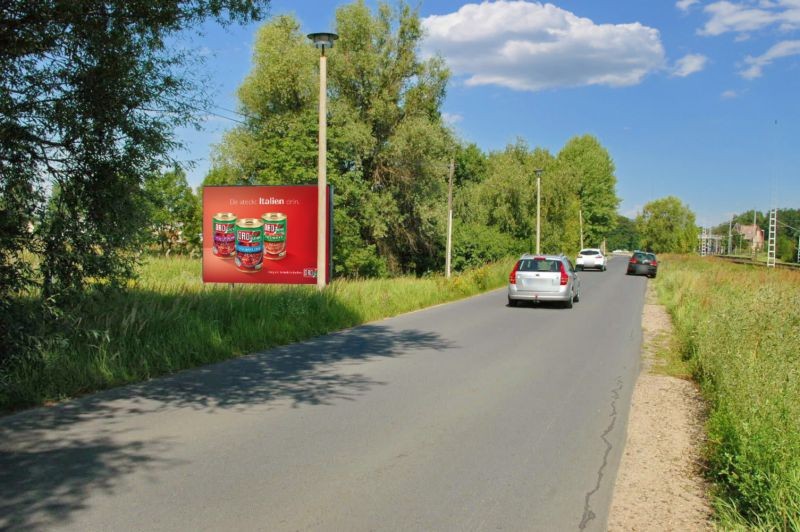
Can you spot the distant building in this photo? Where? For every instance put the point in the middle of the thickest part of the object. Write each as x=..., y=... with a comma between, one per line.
x=752, y=234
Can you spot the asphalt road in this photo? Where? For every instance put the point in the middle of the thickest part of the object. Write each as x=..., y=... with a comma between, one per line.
x=466, y=416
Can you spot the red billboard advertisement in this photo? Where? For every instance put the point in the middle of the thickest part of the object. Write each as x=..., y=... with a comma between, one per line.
x=262, y=234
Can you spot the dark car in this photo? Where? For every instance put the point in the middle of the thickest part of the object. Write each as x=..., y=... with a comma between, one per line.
x=643, y=263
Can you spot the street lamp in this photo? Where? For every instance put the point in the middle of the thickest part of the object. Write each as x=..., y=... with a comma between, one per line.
x=322, y=41
x=538, y=173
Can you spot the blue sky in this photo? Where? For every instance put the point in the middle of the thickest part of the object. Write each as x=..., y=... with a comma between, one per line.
x=693, y=98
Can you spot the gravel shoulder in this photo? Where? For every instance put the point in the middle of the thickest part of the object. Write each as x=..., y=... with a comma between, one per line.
x=659, y=484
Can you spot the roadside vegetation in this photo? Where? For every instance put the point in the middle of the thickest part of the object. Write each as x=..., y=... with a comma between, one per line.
x=168, y=321
x=739, y=330
x=92, y=189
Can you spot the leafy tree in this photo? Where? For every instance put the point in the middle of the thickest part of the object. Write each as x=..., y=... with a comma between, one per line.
x=596, y=186
x=90, y=93
x=667, y=225
x=388, y=146
x=625, y=235
x=471, y=165
x=504, y=203
x=174, y=211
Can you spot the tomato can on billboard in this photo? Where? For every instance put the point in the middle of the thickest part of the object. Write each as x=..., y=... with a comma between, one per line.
x=281, y=245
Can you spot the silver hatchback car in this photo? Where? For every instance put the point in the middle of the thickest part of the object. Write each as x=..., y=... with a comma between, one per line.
x=543, y=278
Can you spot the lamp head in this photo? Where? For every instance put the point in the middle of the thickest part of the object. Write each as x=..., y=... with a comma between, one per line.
x=323, y=40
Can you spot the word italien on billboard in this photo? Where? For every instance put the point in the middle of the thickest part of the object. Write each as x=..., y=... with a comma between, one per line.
x=262, y=234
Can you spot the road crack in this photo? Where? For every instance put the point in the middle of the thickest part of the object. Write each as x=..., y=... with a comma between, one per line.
x=588, y=514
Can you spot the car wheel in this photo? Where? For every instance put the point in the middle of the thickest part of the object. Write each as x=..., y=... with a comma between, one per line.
x=577, y=297
x=568, y=303
x=512, y=302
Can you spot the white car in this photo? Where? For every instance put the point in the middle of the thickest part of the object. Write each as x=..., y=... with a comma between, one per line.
x=591, y=258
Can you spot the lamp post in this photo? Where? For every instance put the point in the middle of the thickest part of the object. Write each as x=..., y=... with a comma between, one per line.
x=322, y=41
x=538, y=173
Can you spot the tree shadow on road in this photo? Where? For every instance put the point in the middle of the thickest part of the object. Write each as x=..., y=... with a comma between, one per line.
x=53, y=459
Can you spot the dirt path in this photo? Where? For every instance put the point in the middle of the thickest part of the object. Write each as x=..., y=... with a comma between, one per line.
x=659, y=485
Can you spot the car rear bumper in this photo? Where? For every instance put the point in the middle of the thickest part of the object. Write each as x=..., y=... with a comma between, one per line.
x=563, y=294
x=598, y=265
x=641, y=269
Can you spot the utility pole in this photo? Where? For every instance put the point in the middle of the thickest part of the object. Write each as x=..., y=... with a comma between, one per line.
x=449, y=218
x=730, y=234
x=755, y=234
x=580, y=217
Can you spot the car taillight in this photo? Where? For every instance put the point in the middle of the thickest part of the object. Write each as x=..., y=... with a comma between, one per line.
x=654, y=263
x=633, y=261
x=564, y=276
x=512, y=277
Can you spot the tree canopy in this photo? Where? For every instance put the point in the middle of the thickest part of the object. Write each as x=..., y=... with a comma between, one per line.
x=666, y=225
x=90, y=94
x=597, y=195
x=388, y=146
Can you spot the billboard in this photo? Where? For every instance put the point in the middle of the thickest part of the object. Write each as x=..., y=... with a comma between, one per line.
x=262, y=234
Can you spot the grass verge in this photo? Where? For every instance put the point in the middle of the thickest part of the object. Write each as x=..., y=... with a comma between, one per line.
x=739, y=329
x=168, y=321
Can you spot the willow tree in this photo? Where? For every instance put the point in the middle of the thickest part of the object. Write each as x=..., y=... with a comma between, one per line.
x=503, y=205
x=388, y=145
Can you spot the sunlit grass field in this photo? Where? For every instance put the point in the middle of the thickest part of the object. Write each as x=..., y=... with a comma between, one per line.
x=739, y=328
x=168, y=320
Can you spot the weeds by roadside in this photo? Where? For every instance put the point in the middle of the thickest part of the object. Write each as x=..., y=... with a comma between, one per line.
x=739, y=329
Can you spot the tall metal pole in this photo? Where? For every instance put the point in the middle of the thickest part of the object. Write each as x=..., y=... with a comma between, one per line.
x=449, y=218
x=580, y=218
x=322, y=196
x=538, y=207
x=755, y=234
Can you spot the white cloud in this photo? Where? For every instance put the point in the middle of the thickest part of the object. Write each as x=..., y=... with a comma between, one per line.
x=531, y=46
x=684, y=5
x=689, y=64
x=729, y=95
x=726, y=16
x=452, y=118
x=755, y=65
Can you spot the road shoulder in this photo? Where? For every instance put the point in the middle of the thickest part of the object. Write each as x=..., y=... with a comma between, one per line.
x=659, y=484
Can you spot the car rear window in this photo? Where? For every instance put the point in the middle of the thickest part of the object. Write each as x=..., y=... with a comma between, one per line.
x=641, y=256
x=651, y=256
x=540, y=265
x=588, y=252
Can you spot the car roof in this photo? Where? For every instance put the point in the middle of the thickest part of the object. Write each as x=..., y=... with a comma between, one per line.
x=545, y=256
x=591, y=249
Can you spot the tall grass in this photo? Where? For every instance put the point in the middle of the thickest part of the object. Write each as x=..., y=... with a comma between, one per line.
x=168, y=321
x=740, y=327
